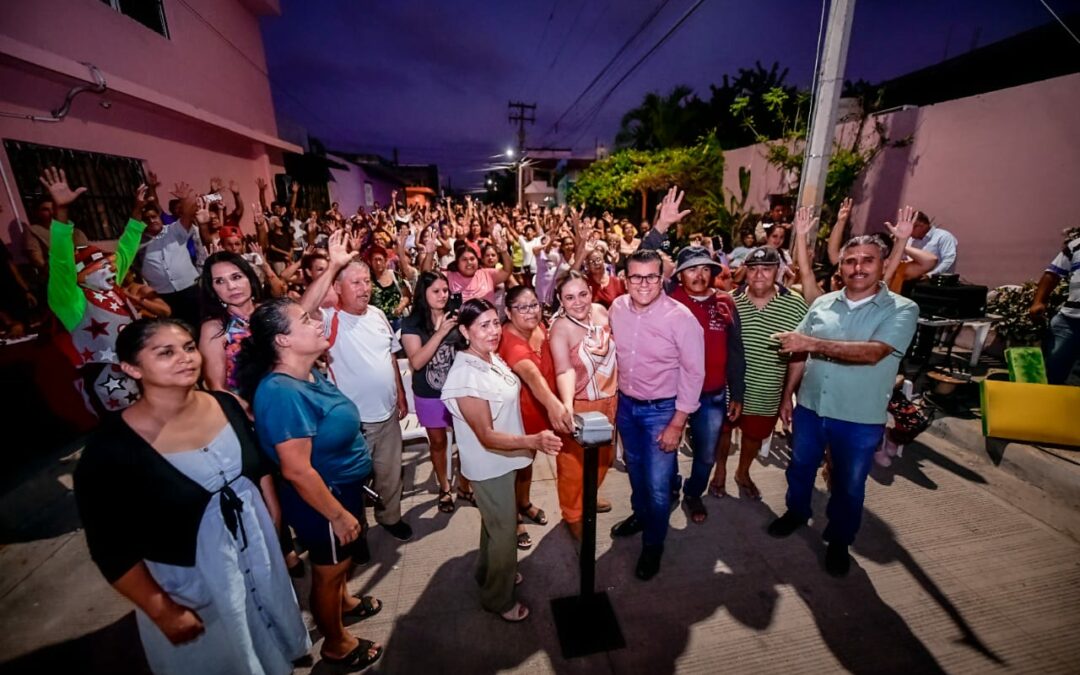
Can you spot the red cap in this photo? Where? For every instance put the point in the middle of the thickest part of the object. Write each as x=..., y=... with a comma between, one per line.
x=86, y=256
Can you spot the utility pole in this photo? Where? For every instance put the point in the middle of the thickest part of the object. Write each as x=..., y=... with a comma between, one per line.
x=521, y=117
x=830, y=80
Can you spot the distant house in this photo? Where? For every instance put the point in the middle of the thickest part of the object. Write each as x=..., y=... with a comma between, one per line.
x=177, y=88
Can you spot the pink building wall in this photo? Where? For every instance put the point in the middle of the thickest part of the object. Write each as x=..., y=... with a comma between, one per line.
x=998, y=170
x=194, y=63
x=225, y=125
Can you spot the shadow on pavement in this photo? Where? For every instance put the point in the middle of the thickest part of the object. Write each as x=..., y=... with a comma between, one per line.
x=114, y=649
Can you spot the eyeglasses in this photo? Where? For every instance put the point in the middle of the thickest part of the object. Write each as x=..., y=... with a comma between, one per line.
x=526, y=309
x=638, y=279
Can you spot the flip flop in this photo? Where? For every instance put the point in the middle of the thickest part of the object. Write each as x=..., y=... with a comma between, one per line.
x=359, y=657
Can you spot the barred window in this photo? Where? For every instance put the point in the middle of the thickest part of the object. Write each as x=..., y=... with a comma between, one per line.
x=110, y=182
x=149, y=13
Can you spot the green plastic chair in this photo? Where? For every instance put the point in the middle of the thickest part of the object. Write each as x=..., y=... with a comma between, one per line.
x=1026, y=364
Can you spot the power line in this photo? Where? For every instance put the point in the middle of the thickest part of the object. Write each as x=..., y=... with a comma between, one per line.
x=671, y=31
x=644, y=24
x=536, y=52
x=1063, y=25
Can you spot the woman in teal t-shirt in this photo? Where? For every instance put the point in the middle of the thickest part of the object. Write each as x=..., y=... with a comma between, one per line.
x=312, y=431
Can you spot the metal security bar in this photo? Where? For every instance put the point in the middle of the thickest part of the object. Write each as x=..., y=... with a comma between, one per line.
x=110, y=180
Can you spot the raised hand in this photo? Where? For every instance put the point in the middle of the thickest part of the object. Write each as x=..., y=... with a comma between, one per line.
x=294, y=188
x=181, y=190
x=140, y=201
x=805, y=222
x=56, y=183
x=668, y=212
x=216, y=184
x=152, y=180
x=253, y=247
x=338, y=251
x=905, y=223
x=234, y=187
x=202, y=211
x=260, y=183
x=844, y=212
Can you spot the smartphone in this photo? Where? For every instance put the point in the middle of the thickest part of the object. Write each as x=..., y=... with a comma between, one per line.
x=453, y=305
x=212, y=198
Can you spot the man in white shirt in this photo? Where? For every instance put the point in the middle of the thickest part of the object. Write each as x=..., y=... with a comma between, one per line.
x=166, y=263
x=935, y=240
x=363, y=366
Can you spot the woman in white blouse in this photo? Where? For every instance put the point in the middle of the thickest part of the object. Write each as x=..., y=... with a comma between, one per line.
x=481, y=393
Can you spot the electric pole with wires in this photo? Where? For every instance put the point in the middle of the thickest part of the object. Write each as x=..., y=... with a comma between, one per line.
x=521, y=117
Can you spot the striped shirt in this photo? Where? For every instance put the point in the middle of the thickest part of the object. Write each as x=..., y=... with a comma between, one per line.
x=1067, y=266
x=765, y=366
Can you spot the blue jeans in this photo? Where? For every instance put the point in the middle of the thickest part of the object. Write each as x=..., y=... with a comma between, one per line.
x=705, y=427
x=852, y=446
x=1062, y=348
x=651, y=469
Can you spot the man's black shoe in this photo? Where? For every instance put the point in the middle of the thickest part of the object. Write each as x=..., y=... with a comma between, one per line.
x=628, y=527
x=648, y=563
x=837, y=560
x=399, y=530
x=785, y=525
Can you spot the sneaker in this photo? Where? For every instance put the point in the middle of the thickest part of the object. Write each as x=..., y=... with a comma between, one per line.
x=399, y=530
x=648, y=564
x=837, y=560
x=785, y=525
x=628, y=527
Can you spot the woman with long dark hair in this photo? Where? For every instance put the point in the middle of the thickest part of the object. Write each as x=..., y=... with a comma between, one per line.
x=229, y=291
x=482, y=394
x=179, y=513
x=312, y=432
x=427, y=337
x=524, y=347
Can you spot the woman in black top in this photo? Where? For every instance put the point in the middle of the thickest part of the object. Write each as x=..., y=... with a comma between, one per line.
x=180, y=514
x=426, y=338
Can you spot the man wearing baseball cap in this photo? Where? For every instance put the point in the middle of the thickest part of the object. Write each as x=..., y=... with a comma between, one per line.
x=765, y=307
x=723, y=389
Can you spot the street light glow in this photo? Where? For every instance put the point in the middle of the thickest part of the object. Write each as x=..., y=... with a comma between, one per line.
x=510, y=153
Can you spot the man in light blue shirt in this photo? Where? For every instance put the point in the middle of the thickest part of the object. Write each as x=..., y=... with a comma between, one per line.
x=852, y=341
x=166, y=262
x=935, y=240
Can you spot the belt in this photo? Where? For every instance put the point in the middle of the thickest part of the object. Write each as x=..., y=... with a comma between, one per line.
x=651, y=401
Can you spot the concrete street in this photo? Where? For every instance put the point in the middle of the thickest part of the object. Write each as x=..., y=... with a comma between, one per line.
x=960, y=566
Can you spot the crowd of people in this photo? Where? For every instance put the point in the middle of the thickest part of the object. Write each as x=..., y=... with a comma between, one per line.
x=250, y=395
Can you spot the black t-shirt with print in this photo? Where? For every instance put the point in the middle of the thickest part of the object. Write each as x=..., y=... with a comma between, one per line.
x=427, y=382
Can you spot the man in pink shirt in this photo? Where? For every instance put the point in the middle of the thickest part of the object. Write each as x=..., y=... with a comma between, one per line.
x=661, y=357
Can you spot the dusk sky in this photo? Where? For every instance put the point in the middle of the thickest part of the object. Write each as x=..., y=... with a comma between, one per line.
x=433, y=78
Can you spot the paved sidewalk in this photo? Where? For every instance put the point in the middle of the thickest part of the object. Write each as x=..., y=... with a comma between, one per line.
x=949, y=577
